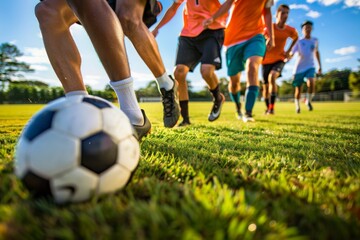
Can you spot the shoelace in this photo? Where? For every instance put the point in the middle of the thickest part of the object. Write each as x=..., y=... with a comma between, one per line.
x=168, y=100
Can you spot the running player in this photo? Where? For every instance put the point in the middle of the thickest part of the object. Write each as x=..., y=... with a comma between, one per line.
x=55, y=18
x=198, y=44
x=246, y=45
x=276, y=57
x=307, y=49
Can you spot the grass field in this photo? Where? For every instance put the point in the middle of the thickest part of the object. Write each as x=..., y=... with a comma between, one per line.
x=287, y=176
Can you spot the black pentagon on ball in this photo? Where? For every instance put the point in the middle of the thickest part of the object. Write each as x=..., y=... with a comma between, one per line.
x=98, y=152
x=39, y=124
x=96, y=102
x=38, y=186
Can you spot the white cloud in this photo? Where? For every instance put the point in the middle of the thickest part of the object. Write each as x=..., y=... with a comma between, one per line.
x=346, y=50
x=34, y=56
x=299, y=6
x=329, y=2
x=39, y=67
x=313, y=14
x=336, y=60
x=310, y=1
x=352, y=3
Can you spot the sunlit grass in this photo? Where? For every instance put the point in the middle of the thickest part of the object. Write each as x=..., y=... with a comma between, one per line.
x=287, y=176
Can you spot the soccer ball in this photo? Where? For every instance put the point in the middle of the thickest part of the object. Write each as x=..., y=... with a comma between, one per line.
x=76, y=148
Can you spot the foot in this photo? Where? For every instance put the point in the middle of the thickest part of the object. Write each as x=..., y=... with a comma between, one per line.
x=142, y=131
x=171, y=105
x=184, y=123
x=216, y=109
x=309, y=105
x=248, y=117
x=298, y=110
x=239, y=115
x=270, y=112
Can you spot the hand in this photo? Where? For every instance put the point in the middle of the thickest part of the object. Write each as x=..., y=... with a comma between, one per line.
x=319, y=71
x=270, y=44
x=207, y=22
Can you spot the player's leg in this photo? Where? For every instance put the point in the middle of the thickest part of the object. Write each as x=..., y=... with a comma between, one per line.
x=254, y=52
x=252, y=90
x=180, y=74
x=210, y=50
x=130, y=14
x=107, y=37
x=55, y=18
x=273, y=90
x=208, y=74
x=234, y=92
x=297, y=96
x=265, y=87
x=310, y=92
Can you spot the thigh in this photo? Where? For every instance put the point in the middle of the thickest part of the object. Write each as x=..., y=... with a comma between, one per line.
x=187, y=53
x=255, y=47
x=235, y=61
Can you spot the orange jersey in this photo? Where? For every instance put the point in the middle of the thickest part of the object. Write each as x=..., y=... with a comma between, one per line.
x=195, y=12
x=281, y=35
x=246, y=20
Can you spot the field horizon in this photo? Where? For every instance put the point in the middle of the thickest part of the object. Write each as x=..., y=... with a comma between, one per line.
x=285, y=176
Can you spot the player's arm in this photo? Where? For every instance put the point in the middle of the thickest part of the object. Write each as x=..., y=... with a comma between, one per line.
x=269, y=26
x=170, y=13
x=293, y=42
x=225, y=7
x=317, y=54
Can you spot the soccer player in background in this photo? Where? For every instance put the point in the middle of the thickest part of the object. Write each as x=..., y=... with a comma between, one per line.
x=307, y=49
x=107, y=35
x=275, y=58
x=198, y=44
x=246, y=45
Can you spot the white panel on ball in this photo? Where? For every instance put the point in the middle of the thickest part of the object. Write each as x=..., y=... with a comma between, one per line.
x=21, y=159
x=75, y=186
x=113, y=179
x=53, y=152
x=116, y=123
x=86, y=121
x=129, y=153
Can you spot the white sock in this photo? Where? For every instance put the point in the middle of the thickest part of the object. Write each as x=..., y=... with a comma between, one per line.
x=297, y=103
x=75, y=93
x=125, y=92
x=165, y=81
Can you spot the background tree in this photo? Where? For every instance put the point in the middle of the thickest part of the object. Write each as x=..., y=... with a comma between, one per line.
x=9, y=65
x=354, y=82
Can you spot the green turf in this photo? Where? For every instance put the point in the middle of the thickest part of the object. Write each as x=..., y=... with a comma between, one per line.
x=287, y=176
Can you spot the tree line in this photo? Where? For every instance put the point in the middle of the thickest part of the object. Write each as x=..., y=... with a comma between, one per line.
x=34, y=91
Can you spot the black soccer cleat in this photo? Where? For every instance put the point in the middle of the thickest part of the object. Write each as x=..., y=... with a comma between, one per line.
x=184, y=123
x=216, y=109
x=171, y=105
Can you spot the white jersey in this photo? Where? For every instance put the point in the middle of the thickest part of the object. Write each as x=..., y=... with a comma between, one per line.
x=306, y=48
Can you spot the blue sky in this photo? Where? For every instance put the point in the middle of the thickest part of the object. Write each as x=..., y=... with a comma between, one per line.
x=336, y=25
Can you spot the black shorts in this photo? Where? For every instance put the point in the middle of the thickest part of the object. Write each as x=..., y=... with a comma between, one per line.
x=267, y=68
x=204, y=48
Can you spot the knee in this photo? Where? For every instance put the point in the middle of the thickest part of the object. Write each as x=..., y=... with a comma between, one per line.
x=48, y=15
x=129, y=23
x=206, y=72
x=180, y=73
x=42, y=12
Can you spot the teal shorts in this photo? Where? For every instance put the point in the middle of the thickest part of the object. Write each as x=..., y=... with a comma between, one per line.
x=237, y=55
x=300, y=78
